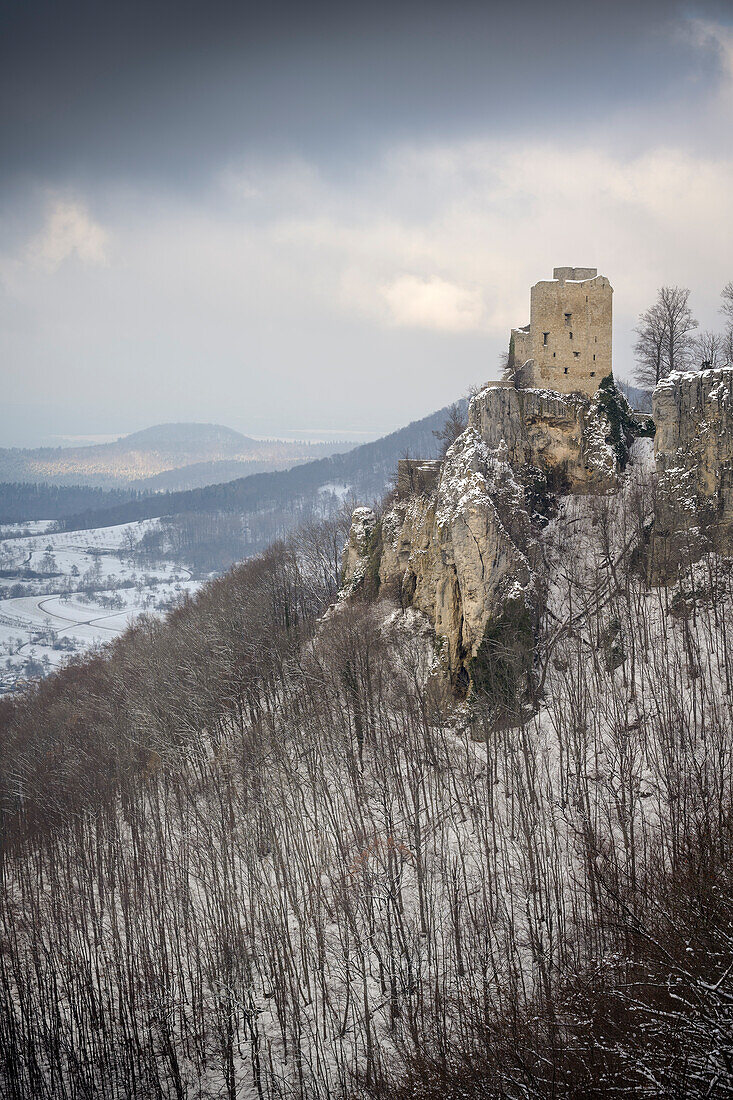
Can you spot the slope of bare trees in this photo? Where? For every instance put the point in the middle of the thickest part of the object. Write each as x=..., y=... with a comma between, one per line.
x=247, y=859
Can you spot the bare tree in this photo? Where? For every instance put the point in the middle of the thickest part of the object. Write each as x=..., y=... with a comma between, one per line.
x=649, y=347
x=726, y=352
x=508, y=361
x=709, y=349
x=679, y=325
x=664, y=336
x=455, y=424
x=726, y=307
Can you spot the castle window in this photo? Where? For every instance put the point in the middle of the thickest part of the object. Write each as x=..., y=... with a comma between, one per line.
x=544, y=338
x=567, y=318
x=570, y=335
x=592, y=374
x=565, y=371
x=553, y=355
x=594, y=358
x=576, y=354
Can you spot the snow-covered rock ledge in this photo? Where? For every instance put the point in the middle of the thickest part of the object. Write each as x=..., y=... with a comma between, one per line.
x=579, y=443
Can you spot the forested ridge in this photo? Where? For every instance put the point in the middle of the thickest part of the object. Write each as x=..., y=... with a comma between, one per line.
x=254, y=850
x=23, y=501
x=366, y=469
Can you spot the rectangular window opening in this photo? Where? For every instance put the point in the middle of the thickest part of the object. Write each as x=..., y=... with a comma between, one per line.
x=565, y=371
x=567, y=318
x=576, y=354
x=594, y=358
x=592, y=374
x=570, y=335
x=544, y=338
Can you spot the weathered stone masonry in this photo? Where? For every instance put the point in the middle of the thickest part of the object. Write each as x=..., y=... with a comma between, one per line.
x=567, y=345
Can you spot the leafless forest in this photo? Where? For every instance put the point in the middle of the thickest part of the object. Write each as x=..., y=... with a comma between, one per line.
x=251, y=852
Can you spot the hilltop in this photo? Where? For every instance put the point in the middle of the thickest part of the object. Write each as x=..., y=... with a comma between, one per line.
x=182, y=453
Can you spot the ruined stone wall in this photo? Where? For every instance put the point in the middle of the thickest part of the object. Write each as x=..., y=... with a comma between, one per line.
x=522, y=346
x=570, y=327
x=568, y=345
x=417, y=475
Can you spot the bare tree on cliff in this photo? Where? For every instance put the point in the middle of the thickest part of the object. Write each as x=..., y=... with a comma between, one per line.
x=649, y=347
x=709, y=350
x=679, y=324
x=726, y=308
x=455, y=424
x=508, y=361
x=664, y=336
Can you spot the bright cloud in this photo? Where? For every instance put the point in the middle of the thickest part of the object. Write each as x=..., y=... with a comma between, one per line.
x=432, y=304
x=496, y=216
x=69, y=231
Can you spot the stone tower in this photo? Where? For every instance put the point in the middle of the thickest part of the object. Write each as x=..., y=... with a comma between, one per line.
x=567, y=344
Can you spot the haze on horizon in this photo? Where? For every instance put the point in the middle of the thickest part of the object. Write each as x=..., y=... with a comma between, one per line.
x=325, y=220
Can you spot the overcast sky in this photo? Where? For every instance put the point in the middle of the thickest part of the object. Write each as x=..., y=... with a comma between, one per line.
x=322, y=221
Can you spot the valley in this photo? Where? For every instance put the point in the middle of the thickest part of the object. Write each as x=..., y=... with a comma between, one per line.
x=63, y=593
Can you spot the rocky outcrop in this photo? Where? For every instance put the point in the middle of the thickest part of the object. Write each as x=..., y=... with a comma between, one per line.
x=579, y=443
x=359, y=550
x=694, y=445
x=457, y=542
x=455, y=554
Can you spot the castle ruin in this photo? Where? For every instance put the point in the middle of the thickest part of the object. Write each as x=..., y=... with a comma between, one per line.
x=566, y=346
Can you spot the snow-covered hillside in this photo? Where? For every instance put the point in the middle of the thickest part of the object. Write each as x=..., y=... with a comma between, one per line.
x=319, y=876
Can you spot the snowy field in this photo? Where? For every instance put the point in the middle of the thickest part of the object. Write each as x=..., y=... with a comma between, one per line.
x=62, y=593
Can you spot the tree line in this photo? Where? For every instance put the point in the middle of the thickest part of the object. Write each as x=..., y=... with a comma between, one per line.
x=22, y=501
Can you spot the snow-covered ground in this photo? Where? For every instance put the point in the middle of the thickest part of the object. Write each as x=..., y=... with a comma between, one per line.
x=62, y=593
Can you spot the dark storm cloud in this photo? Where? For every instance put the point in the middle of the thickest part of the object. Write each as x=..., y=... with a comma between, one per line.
x=165, y=88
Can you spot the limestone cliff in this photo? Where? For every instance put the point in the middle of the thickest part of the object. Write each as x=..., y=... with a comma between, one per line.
x=454, y=554
x=458, y=541
x=694, y=444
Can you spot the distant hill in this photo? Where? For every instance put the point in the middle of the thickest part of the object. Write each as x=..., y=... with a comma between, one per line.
x=137, y=460
x=181, y=439
x=365, y=471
